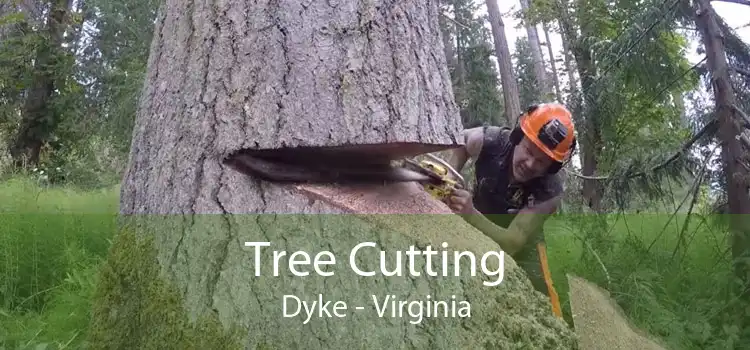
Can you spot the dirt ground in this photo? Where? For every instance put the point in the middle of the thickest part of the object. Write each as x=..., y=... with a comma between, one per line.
x=600, y=323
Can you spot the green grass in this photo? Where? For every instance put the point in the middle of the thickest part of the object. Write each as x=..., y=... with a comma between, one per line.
x=681, y=296
x=52, y=241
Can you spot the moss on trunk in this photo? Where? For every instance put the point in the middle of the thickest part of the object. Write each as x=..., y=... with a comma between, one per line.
x=135, y=307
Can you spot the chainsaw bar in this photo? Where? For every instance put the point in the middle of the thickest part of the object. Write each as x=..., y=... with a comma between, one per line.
x=412, y=165
x=325, y=171
x=435, y=178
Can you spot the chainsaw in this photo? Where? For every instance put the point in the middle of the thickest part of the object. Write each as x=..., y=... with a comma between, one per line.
x=444, y=178
x=324, y=165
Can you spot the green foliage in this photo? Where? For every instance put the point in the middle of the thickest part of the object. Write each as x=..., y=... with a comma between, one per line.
x=483, y=105
x=17, y=51
x=42, y=225
x=671, y=278
x=540, y=11
x=475, y=81
x=528, y=88
x=637, y=68
x=53, y=245
x=116, y=60
x=97, y=86
x=33, y=60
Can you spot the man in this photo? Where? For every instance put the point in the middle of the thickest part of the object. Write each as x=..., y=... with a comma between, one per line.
x=517, y=185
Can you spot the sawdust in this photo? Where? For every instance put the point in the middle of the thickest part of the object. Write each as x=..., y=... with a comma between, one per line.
x=389, y=204
x=396, y=198
x=509, y=316
x=600, y=323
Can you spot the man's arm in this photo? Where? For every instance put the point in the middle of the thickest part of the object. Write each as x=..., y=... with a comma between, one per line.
x=527, y=222
x=530, y=220
x=473, y=140
x=510, y=240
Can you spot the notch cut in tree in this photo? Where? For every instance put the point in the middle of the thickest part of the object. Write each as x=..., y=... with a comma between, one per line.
x=229, y=76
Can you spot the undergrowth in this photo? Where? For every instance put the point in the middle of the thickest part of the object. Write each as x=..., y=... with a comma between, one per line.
x=52, y=241
x=672, y=279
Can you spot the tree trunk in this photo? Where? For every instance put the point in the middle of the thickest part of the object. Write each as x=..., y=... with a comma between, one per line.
x=590, y=134
x=227, y=76
x=569, y=68
x=553, y=64
x=536, y=56
x=38, y=118
x=732, y=151
x=679, y=103
x=460, y=63
x=591, y=138
x=508, y=81
x=447, y=41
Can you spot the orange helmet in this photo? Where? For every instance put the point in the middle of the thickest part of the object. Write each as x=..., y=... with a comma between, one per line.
x=550, y=127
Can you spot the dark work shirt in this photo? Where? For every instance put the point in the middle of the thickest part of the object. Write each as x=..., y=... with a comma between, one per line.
x=493, y=193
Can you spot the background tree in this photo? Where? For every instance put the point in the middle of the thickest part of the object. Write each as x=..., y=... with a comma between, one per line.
x=529, y=89
x=502, y=54
x=731, y=122
x=474, y=77
x=535, y=48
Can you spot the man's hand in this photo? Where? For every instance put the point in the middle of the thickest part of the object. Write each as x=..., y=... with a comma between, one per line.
x=460, y=202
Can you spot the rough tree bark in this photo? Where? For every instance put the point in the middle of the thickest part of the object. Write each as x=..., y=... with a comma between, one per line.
x=507, y=79
x=229, y=75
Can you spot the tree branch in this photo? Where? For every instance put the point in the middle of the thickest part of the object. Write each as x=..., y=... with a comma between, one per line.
x=693, y=191
x=708, y=128
x=453, y=20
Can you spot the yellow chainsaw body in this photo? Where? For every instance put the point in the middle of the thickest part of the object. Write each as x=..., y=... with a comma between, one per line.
x=447, y=185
